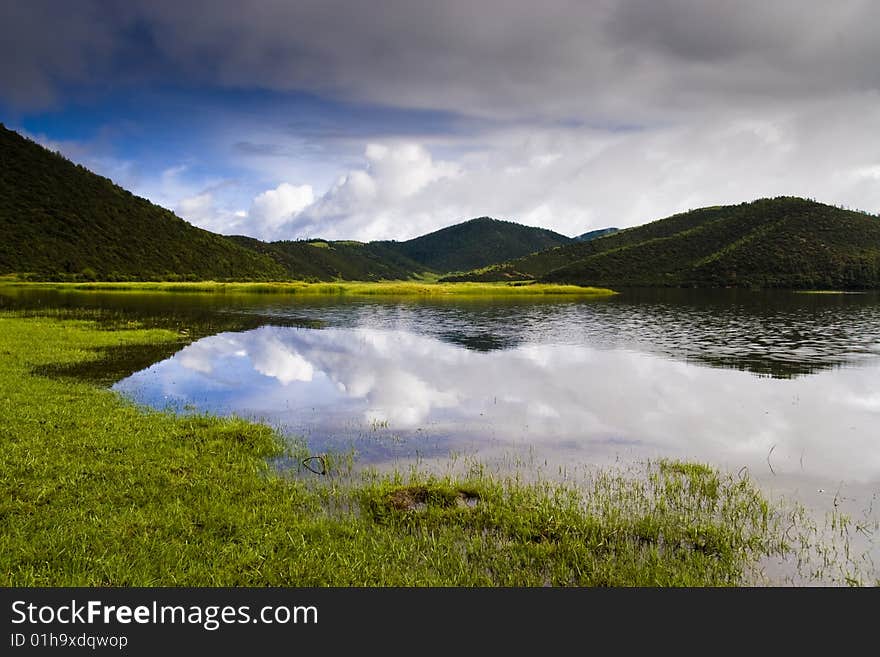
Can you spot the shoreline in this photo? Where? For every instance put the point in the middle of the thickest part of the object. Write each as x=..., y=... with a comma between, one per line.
x=350, y=288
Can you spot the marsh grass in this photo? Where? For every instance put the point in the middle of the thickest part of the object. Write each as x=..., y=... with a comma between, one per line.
x=96, y=491
x=834, y=548
x=390, y=288
x=666, y=529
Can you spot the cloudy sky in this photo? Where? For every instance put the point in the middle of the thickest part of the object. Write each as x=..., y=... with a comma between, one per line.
x=387, y=119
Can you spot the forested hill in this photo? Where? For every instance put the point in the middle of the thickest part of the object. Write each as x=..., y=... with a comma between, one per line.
x=476, y=243
x=460, y=247
x=60, y=220
x=783, y=242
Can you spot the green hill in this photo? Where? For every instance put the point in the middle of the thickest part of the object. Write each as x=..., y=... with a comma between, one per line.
x=327, y=261
x=461, y=247
x=61, y=221
x=783, y=242
x=475, y=243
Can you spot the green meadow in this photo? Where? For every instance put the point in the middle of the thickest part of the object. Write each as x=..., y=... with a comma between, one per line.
x=389, y=288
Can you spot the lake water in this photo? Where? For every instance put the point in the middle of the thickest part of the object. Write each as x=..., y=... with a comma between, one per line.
x=786, y=385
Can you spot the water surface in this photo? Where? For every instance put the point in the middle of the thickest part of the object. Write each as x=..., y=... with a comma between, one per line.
x=784, y=384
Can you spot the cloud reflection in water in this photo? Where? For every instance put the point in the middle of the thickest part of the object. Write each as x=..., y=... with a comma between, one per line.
x=567, y=401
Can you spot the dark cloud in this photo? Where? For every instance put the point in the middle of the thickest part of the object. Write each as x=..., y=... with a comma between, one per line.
x=593, y=60
x=40, y=51
x=697, y=32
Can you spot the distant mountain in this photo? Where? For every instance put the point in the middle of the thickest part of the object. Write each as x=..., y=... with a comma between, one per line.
x=476, y=243
x=593, y=234
x=783, y=242
x=461, y=247
x=58, y=220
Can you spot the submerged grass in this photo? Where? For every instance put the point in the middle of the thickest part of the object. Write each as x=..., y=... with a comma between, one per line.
x=621, y=531
x=96, y=491
x=390, y=288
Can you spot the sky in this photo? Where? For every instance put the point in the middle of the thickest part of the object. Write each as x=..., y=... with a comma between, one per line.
x=388, y=119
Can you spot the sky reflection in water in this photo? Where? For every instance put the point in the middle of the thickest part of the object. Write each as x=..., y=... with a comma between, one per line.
x=392, y=392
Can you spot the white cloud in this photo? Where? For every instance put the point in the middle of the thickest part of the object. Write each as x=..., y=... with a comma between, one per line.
x=274, y=359
x=577, y=179
x=869, y=172
x=390, y=197
x=275, y=207
x=269, y=211
x=215, y=205
x=403, y=170
x=205, y=210
x=201, y=202
x=198, y=209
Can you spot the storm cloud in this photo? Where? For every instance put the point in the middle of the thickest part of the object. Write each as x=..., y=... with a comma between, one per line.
x=556, y=58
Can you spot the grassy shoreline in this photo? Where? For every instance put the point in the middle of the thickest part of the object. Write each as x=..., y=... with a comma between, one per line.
x=390, y=288
x=96, y=491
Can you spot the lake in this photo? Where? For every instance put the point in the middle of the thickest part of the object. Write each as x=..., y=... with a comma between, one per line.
x=784, y=385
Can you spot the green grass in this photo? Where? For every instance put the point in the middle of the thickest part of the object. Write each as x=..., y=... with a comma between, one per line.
x=407, y=288
x=827, y=292
x=96, y=491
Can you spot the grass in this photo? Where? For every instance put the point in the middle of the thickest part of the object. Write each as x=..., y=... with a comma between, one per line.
x=96, y=491
x=828, y=292
x=400, y=288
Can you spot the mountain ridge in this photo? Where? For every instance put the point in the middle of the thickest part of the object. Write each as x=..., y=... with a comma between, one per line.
x=784, y=242
x=475, y=243
x=459, y=247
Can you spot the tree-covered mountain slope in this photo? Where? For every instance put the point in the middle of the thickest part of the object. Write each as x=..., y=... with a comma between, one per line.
x=460, y=247
x=60, y=220
x=784, y=242
x=476, y=243
x=327, y=261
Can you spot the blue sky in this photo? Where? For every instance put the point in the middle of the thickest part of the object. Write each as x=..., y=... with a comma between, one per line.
x=216, y=134
x=352, y=120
